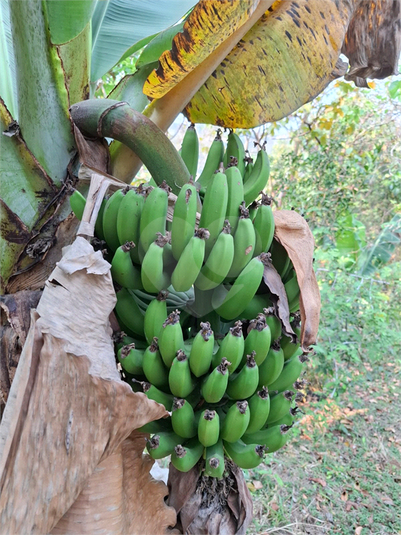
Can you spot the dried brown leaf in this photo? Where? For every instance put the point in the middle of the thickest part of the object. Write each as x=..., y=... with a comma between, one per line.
x=93, y=152
x=293, y=232
x=373, y=41
x=117, y=494
x=68, y=409
x=273, y=281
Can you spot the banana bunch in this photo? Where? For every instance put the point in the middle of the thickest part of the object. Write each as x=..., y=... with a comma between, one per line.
x=200, y=332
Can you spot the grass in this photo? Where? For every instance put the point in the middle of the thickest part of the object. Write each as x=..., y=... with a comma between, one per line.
x=341, y=471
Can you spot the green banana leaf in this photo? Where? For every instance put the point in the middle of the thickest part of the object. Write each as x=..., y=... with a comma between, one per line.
x=122, y=23
x=382, y=250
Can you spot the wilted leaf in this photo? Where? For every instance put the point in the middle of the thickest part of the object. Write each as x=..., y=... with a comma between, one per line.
x=86, y=412
x=272, y=280
x=208, y=25
x=286, y=59
x=125, y=506
x=210, y=505
x=293, y=232
x=373, y=41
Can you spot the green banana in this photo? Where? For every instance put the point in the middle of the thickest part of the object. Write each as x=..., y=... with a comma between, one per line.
x=264, y=225
x=287, y=345
x=235, y=421
x=273, y=322
x=215, y=384
x=162, y=444
x=255, y=307
x=244, y=244
x=128, y=219
x=99, y=233
x=292, y=290
x=258, y=339
x=123, y=270
x=231, y=348
x=253, y=210
x=273, y=438
x=235, y=149
x=153, y=277
x=163, y=424
x=229, y=304
x=153, y=217
x=190, y=150
x=155, y=316
x=184, y=458
x=77, y=203
x=248, y=166
x=244, y=383
x=290, y=373
x=289, y=348
x=201, y=353
x=131, y=359
x=235, y=196
x=190, y=263
x=259, y=408
x=219, y=261
x=213, y=160
x=208, y=428
x=110, y=215
x=214, y=208
x=214, y=460
x=169, y=261
x=180, y=380
x=183, y=419
x=153, y=366
x=129, y=312
x=152, y=392
x=171, y=338
x=280, y=405
x=258, y=178
x=280, y=259
x=272, y=366
x=184, y=219
x=245, y=456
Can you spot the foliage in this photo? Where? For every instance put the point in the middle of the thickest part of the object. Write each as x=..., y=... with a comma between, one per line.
x=360, y=317
x=339, y=164
x=344, y=157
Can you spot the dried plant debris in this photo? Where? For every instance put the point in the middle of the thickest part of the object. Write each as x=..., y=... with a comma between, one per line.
x=210, y=505
x=293, y=232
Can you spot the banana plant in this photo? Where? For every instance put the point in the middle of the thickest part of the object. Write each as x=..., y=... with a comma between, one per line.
x=231, y=63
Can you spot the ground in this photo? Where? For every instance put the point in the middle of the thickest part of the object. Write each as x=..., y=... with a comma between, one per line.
x=341, y=471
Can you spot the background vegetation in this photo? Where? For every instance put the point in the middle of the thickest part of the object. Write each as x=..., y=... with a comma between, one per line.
x=337, y=160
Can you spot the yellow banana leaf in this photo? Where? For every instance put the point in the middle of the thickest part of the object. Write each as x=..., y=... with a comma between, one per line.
x=209, y=25
x=286, y=59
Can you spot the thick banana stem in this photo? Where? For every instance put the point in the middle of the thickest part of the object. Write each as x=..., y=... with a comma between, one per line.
x=117, y=120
